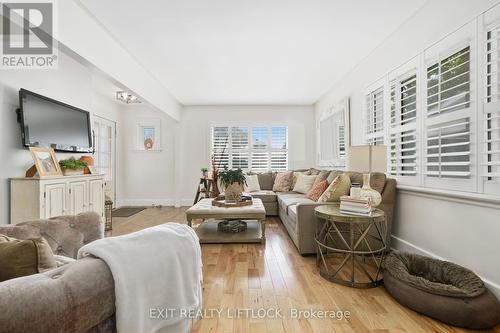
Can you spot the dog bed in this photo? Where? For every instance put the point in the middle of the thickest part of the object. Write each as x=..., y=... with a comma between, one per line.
x=441, y=290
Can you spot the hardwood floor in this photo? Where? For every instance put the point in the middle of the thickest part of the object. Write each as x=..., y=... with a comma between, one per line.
x=275, y=276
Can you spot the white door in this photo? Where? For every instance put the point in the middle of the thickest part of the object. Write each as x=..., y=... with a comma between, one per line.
x=77, y=197
x=96, y=197
x=104, y=156
x=54, y=200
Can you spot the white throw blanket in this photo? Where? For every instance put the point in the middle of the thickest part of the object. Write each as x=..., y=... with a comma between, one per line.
x=157, y=274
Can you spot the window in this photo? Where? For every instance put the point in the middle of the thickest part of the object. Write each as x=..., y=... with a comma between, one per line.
x=374, y=130
x=490, y=157
x=403, y=130
x=250, y=148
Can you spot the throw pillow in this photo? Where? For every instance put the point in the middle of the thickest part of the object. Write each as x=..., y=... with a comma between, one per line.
x=317, y=190
x=304, y=183
x=322, y=175
x=333, y=174
x=252, y=183
x=266, y=180
x=283, y=181
x=339, y=187
x=296, y=174
x=24, y=257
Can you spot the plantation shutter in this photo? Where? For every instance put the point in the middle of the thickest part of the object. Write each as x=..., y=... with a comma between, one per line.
x=279, y=149
x=491, y=113
x=220, y=146
x=260, y=153
x=374, y=127
x=448, y=149
x=239, y=148
x=403, y=131
x=448, y=84
x=448, y=123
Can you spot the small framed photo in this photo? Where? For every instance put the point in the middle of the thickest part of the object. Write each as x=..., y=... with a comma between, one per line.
x=46, y=162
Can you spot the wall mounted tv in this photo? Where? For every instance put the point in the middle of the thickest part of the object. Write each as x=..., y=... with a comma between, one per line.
x=49, y=123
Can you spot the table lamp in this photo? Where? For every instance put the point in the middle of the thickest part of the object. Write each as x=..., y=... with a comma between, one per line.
x=368, y=159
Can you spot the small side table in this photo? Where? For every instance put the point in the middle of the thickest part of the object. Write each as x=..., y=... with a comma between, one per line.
x=350, y=249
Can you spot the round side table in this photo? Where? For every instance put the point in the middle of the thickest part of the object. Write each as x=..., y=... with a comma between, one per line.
x=350, y=248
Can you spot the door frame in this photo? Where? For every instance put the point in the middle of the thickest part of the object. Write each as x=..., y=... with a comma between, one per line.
x=112, y=123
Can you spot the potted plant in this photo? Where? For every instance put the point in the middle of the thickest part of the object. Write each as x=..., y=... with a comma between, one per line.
x=72, y=166
x=233, y=181
x=204, y=172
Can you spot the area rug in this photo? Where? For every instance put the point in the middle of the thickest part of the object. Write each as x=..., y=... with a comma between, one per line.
x=127, y=211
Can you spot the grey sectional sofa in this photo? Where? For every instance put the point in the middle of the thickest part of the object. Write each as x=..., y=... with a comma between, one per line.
x=296, y=211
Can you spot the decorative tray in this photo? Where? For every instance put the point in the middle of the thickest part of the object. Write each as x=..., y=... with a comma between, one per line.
x=221, y=201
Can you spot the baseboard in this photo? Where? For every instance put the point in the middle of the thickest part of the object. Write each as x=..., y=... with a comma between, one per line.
x=186, y=202
x=403, y=245
x=145, y=202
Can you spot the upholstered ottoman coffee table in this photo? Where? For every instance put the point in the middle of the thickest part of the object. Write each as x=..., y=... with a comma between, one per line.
x=254, y=216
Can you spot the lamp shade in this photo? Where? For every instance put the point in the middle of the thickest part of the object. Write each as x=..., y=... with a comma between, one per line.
x=367, y=158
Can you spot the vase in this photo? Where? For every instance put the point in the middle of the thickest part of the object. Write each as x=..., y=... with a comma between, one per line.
x=368, y=193
x=233, y=192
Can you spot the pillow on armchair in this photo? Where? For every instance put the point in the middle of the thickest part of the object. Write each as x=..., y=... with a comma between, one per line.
x=24, y=257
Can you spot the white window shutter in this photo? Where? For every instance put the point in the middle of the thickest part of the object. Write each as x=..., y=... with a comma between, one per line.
x=490, y=141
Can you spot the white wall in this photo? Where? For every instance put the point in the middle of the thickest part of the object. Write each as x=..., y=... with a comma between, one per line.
x=148, y=177
x=194, y=131
x=463, y=231
x=72, y=83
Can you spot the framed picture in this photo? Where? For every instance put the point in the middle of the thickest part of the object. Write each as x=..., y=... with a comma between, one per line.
x=45, y=162
x=149, y=135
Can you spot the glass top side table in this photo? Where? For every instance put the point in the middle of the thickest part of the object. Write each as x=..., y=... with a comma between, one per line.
x=350, y=249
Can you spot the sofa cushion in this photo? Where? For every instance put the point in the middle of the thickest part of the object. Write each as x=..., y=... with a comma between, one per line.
x=24, y=257
x=266, y=180
x=304, y=183
x=283, y=182
x=286, y=201
x=265, y=196
x=377, y=179
x=292, y=211
x=339, y=187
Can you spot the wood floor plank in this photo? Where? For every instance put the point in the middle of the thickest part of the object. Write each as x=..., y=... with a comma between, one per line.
x=276, y=276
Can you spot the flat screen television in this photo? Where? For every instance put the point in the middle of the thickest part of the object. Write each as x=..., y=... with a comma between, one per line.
x=49, y=123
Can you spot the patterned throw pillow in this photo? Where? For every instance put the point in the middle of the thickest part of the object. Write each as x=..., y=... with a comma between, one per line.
x=283, y=181
x=339, y=187
x=317, y=190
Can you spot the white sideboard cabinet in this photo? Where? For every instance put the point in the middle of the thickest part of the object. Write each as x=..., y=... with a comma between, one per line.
x=41, y=198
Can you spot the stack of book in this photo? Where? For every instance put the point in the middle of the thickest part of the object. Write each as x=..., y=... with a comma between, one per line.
x=352, y=206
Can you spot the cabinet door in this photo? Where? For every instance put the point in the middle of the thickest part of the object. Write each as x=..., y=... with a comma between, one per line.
x=54, y=200
x=96, y=197
x=77, y=197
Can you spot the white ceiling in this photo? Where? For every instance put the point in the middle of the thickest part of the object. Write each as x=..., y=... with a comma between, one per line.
x=253, y=52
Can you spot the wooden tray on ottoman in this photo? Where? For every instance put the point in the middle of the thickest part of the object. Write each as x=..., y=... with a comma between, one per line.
x=224, y=203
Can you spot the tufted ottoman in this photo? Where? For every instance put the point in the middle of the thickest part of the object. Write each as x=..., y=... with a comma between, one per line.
x=441, y=290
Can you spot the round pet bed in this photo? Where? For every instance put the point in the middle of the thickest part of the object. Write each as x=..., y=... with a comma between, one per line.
x=441, y=290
